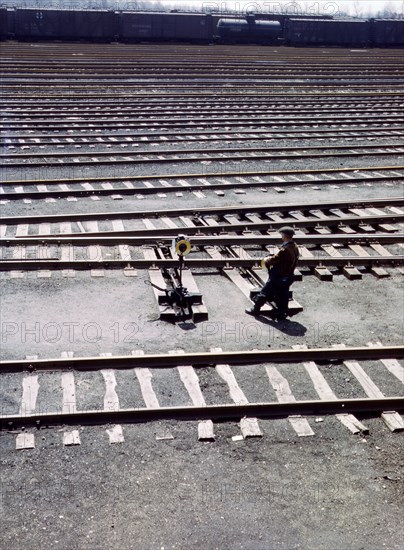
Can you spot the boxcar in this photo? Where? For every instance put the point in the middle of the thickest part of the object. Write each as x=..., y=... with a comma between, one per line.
x=31, y=24
x=136, y=26
x=388, y=32
x=301, y=32
x=10, y=23
x=241, y=30
x=3, y=23
x=46, y=24
x=284, y=18
x=97, y=25
x=195, y=27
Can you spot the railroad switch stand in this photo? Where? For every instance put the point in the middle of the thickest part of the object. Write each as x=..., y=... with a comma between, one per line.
x=178, y=297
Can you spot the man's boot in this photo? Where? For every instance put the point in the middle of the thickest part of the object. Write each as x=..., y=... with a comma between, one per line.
x=259, y=301
x=253, y=311
x=278, y=315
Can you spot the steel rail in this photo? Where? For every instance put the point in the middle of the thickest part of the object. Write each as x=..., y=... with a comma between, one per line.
x=173, y=83
x=335, y=95
x=272, y=101
x=203, y=358
x=197, y=121
x=184, y=61
x=80, y=239
x=149, y=113
x=396, y=201
x=173, y=158
x=240, y=226
x=222, y=175
x=177, y=80
x=159, y=68
x=187, y=151
x=61, y=193
x=141, y=59
x=230, y=99
x=225, y=263
x=166, y=50
x=70, y=140
x=127, y=52
x=206, y=67
x=390, y=95
x=365, y=406
x=204, y=60
x=311, y=98
x=260, y=73
x=200, y=80
x=15, y=117
x=202, y=67
x=184, y=51
x=203, y=63
x=249, y=226
x=145, y=51
x=160, y=61
x=312, y=101
x=217, y=123
x=121, y=112
x=216, y=87
x=199, y=70
x=178, y=71
x=238, y=135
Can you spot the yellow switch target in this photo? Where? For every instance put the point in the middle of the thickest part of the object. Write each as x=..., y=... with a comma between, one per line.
x=183, y=247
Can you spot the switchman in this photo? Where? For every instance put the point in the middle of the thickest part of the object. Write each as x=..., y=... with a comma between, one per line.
x=281, y=269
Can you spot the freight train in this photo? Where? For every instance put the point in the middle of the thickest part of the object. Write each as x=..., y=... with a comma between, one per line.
x=27, y=24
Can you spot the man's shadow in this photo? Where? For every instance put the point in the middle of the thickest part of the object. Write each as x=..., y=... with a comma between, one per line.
x=287, y=326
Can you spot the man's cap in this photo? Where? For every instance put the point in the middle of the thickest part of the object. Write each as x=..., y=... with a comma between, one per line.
x=287, y=230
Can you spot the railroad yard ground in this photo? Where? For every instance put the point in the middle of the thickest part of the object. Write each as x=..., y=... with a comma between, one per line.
x=159, y=487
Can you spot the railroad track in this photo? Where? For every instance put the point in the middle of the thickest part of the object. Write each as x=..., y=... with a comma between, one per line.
x=313, y=103
x=125, y=139
x=100, y=101
x=230, y=95
x=202, y=122
x=159, y=52
x=134, y=77
x=195, y=69
x=68, y=158
x=226, y=65
x=152, y=379
x=29, y=141
x=233, y=237
x=310, y=214
x=352, y=237
x=86, y=111
x=45, y=261
x=198, y=183
x=199, y=88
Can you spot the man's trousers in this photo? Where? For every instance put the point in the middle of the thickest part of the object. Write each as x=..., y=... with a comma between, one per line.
x=276, y=289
